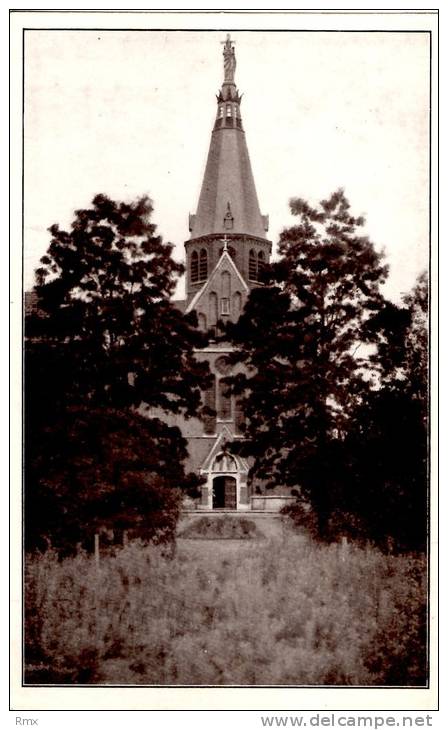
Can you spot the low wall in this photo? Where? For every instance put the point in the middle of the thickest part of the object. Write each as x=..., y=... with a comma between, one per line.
x=258, y=503
x=270, y=502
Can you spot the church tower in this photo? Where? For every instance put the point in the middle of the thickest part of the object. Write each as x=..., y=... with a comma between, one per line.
x=225, y=254
x=228, y=247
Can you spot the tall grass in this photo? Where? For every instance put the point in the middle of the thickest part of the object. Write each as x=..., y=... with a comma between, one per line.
x=270, y=612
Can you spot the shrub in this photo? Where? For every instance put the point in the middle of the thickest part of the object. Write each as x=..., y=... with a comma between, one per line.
x=302, y=516
x=286, y=612
x=222, y=528
x=103, y=468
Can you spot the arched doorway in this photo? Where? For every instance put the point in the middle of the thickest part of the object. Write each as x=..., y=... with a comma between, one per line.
x=224, y=492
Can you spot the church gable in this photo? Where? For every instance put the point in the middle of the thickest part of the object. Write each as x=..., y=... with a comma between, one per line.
x=220, y=460
x=223, y=295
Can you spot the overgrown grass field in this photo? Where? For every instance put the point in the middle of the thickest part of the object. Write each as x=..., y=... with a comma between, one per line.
x=264, y=612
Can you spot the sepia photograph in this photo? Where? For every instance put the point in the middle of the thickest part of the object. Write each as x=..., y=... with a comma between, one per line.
x=226, y=288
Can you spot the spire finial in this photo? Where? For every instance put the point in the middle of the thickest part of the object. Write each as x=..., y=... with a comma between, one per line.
x=229, y=60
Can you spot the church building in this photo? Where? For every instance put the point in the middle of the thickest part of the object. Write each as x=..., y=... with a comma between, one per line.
x=225, y=255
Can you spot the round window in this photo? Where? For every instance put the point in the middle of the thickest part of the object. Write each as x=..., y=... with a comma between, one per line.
x=223, y=365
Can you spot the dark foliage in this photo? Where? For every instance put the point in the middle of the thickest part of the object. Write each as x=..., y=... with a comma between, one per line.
x=105, y=289
x=105, y=341
x=93, y=470
x=386, y=474
x=388, y=443
x=301, y=336
x=327, y=355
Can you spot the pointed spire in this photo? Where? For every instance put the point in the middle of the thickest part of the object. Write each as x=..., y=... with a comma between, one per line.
x=228, y=199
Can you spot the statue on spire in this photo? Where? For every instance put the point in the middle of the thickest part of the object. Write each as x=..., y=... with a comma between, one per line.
x=229, y=61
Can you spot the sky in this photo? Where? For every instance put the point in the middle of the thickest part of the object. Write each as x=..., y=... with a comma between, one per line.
x=130, y=113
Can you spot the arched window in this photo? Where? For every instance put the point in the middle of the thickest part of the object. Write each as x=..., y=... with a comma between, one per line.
x=223, y=365
x=213, y=308
x=221, y=112
x=237, y=304
x=229, y=110
x=224, y=402
x=203, y=265
x=194, y=271
x=202, y=322
x=225, y=284
x=261, y=265
x=240, y=419
x=209, y=417
x=252, y=265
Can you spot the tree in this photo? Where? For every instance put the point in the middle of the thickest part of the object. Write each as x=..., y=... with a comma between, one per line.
x=103, y=468
x=105, y=289
x=106, y=341
x=303, y=339
x=388, y=441
x=416, y=361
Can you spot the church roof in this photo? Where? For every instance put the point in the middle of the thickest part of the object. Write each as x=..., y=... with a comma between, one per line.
x=228, y=200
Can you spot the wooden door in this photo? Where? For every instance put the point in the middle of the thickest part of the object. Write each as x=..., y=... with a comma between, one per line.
x=229, y=492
